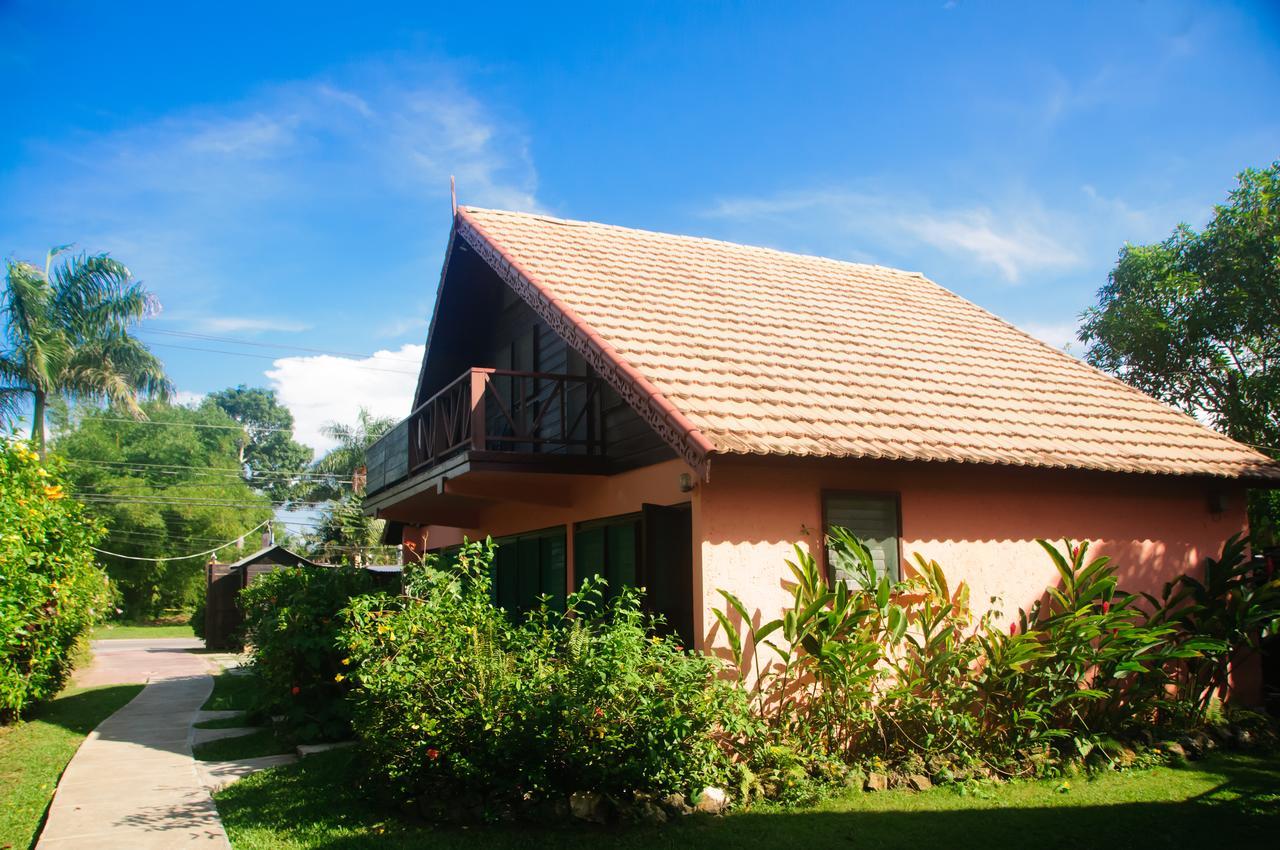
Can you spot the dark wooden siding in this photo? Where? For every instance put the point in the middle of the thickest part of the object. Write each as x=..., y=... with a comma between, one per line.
x=482, y=322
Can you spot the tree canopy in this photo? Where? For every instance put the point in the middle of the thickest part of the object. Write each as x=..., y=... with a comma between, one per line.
x=1195, y=321
x=67, y=334
x=169, y=486
x=273, y=458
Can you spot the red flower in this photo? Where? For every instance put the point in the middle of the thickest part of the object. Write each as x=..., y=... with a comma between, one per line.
x=295, y=690
x=433, y=753
x=1115, y=633
x=1106, y=606
x=1013, y=629
x=1075, y=552
x=599, y=712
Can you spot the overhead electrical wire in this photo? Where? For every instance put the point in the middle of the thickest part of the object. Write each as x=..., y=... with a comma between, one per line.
x=257, y=344
x=352, y=364
x=183, y=557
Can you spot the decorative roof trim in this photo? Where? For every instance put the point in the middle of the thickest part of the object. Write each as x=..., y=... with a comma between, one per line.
x=634, y=388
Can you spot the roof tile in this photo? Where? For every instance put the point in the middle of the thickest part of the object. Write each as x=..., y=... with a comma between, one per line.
x=766, y=352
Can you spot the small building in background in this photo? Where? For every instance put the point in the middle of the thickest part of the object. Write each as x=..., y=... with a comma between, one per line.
x=222, y=617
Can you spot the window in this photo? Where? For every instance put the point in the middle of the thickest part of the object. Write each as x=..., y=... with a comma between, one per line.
x=528, y=566
x=873, y=519
x=608, y=548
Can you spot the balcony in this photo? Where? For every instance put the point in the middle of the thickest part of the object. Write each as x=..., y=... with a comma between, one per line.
x=494, y=419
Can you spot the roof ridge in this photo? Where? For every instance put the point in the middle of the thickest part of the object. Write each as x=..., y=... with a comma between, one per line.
x=572, y=222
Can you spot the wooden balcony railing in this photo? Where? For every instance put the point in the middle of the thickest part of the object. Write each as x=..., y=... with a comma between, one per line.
x=500, y=410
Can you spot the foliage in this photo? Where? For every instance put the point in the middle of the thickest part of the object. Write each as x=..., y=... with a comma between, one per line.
x=343, y=460
x=292, y=624
x=269, y=452
x=68, y=331
x=901, y=672
x=454, y=698
x=51, y=593
x=162, y=491
x=344, y=534
x=1195, y=321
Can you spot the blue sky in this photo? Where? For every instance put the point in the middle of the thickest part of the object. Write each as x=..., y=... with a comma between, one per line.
x=279, y=175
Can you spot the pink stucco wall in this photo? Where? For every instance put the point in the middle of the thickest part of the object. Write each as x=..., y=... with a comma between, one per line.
x=979, y=522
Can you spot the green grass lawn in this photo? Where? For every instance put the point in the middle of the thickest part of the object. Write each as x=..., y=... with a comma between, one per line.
x=260, y=743
x=232, y=692
x=1224, y=801
x=120, y=631
x=34, y=752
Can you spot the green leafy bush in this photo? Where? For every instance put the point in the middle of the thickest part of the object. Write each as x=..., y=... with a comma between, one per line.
x=51, y=592
x=292, y=625
x=902, y=672
x=454, y=699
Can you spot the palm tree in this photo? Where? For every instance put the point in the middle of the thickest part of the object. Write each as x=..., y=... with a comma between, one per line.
x=353, y=442
x=67, y=331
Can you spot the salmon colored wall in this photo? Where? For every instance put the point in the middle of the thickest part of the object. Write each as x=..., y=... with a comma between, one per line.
x=978, y=522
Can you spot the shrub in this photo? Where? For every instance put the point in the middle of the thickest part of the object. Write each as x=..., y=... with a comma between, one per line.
x=291, y=622
x=900, y=671
x=51, y=592
x=455, y=700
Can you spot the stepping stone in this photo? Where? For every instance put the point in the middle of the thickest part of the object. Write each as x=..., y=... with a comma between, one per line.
x=305, y=750
x=203, y=716
x=216, y=775
x=204, y=736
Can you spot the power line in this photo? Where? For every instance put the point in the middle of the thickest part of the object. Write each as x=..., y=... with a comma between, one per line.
x=185, y=424
x=352, y=364
x=183, y=557
x=281, y=474
x=185, y=500
x=238, y=341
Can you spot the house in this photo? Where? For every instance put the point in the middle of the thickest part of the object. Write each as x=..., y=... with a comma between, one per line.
x=676, y=413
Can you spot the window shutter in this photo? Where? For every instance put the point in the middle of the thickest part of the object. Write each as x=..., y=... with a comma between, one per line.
x=588, y=554
x=621, y=557
x=874, y=521
x=553, y=569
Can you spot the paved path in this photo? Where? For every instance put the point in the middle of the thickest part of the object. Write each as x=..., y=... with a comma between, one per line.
x=133, y=783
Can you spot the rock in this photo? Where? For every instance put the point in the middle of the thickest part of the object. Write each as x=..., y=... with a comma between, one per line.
x=1126, y=757
x=1245, y=739
x=876, y=782
x=1175, y=751
x=919, y=782
x=305, y=750
x=711, y=801
x=649, y=812
x=675, y=805
x=589, y=806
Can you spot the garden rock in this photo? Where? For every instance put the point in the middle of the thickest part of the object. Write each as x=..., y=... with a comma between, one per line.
x=647, y=811
x=589, y=806
x=876, y=782
x=675, y=804
x=919, y=782
x=712, y=801
x=1175, y=751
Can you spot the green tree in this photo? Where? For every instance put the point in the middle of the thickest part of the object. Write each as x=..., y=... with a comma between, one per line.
x=269, y=451
x=1195, y=321
x=163, y=488
x=67, y=331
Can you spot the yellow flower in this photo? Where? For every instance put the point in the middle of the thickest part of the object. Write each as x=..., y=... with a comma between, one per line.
x=346, y=662
x=339, y=677
x=53, y=492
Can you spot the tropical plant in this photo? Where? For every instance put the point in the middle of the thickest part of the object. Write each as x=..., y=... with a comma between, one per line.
x=67, y=330
x=463, y=710
x=273, y=459
x=292, y=624
x=353, y=441
x=51, y=592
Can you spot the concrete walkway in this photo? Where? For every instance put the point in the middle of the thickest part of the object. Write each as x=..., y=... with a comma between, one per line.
x=133, y=783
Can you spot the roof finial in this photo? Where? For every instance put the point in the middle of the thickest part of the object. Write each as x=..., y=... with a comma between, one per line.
x=453, y=195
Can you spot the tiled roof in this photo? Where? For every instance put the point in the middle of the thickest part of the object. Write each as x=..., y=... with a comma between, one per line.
x=756, y=351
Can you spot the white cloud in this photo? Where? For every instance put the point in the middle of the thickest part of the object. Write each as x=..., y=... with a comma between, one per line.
x=234, y=324
x=1019, y=239
x=237, y=198
x=323, y=389
x=186, y=398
